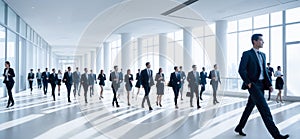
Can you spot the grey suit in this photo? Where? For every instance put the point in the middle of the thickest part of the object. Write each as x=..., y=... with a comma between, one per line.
x=84, y=80
x=214, y=83
x=76, y=80
x=194, y=81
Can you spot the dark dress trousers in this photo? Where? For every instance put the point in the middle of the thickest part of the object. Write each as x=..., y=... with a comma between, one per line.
x=30, y=78
x=68, y=80
x=249, y=71
x=45, y=79
x=175, y=81
x=9, y=83
x=84, y=80
x=147, y=81
x=115, y=85
x=194, y=82
x=53, y=82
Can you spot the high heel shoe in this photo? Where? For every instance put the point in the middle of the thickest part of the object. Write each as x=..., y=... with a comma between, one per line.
x=156, y=103
x=160, y=105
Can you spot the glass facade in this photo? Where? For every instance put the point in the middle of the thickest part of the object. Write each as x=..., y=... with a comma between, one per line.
x=18, y=44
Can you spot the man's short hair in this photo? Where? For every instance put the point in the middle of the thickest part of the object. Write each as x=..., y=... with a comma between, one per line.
x=193, y=66
x=147, y=63
x=115, y=67
x=255, y=37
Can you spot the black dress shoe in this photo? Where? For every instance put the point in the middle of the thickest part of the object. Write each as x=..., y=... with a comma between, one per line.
x=201, y=98
x=241, y=133
x=7, y=106
x=160, y=105
x=150, y=109
x=283, y=136
x=118, y=106
x=12, y=104
x=198, y=107
x=192, y=106
x=69, y=101
x=217, y=101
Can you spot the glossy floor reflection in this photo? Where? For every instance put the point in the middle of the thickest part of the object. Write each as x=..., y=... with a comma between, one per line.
x=38, y=116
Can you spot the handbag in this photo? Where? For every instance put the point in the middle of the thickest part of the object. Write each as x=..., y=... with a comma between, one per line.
x=188, y=94
x=169, y=84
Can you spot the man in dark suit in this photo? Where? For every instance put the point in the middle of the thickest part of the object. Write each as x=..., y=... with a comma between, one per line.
x=30, y=78
x=214, y=75
x=115, y=79
x=194, y=80
x=175, y=80
x=270, y=71
x=45, y=76
x=147, y=81
x=203, y=76
x=53, y=81
x=253, y=72
x=68, y=80
x=92, y=80
x=84, y=80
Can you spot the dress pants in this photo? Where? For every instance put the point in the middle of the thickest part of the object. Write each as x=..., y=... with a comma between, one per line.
x=30, y=85
x=176, y=93
x=45, y=87
x=76, y=88
x=181, y=88
x=214, y=85
x=146, y=97
x=53, y=85
x=194, y=89
x=9, y=87
x=85, y=89
x=39, y=81
x=69, y=91
x=91, y=90
x=202, y=90
x=115, y=90
x=257, y=99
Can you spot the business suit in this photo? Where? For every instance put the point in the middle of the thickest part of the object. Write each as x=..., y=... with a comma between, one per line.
x=138, y=80
x=9, y=83
x=68, y=80
x=76, y=80
x=194, y=80
x=175, y=80
x=102, y=79
x=147, y=81
x=128, y=82
x=115, y=85
x=39, y=79
x=214, y=75
x=160, y=83
x=45, y=78
x=53, y=81
x=30, y=78
x=84, y=80
x=183, y=77
x=92, y=81
x=250, y=72
x=203, y=76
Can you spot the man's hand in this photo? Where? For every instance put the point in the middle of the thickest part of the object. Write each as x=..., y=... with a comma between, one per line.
x=249, y=85
x=271, y=89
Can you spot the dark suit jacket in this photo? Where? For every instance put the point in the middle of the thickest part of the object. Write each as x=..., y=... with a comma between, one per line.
x=249, y=69
x=112, y=77
x=203, y=76
x=30, y=76
x=270, y=70
x=53, y=79
x=145, y=78
x=102, y=78
x=84, y=81
x=10, y=77
x=69, y=79
x=192, y=80
x=212, y=75
x=175, y=81
x=76, y=77
x=45, y=76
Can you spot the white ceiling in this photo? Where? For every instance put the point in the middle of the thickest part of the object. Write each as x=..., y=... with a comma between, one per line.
x=82, y=25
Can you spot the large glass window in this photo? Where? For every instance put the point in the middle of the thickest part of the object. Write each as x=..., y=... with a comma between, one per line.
x=11, y=46
x=2, y=57
x=276, y=46
x=12, y=19
x=276, y=18
x=245, y=24
x=2, y=11
x=232, y=55
x=261, y=21
x=232, y=26
x=292, y=32
x=292, y=15
x=22, y=28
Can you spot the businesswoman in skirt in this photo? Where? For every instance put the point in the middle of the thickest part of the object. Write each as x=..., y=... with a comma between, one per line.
x=279, y=83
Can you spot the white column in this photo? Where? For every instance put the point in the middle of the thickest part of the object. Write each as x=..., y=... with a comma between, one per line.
x=98, y=59
x=92, y=61
x=107, y=57
x=163, y=43
x=126, y=51
x=140, y=52
x=187, y=49
x=221, y=49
